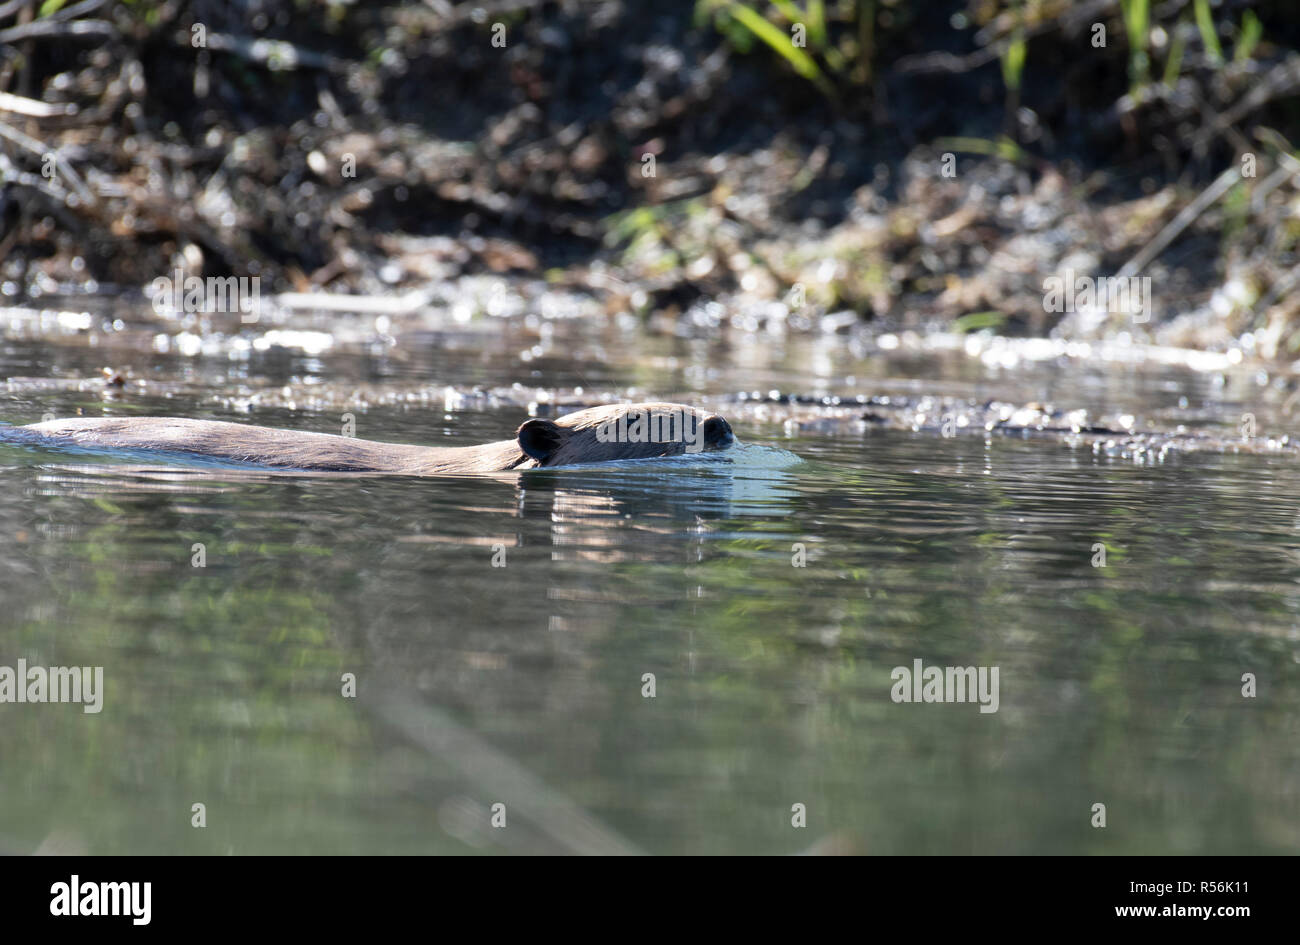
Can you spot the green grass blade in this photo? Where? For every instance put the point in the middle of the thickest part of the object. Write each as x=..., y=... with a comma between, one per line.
x=799, y=60
x=1251, y=31
x=1205, y=23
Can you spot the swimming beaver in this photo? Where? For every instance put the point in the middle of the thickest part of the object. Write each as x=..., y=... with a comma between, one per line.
x=598, y=434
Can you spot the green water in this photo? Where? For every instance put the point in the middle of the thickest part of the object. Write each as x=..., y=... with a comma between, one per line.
x=524, y=684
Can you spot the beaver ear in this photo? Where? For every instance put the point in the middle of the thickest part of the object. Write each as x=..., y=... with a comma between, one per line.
x=539, y=439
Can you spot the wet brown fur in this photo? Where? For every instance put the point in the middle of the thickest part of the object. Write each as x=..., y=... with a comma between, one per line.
x=564, y=441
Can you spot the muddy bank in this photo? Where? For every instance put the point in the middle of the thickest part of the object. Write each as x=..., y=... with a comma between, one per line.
x=927, y=166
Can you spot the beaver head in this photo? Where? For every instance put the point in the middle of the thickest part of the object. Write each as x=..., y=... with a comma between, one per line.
x=623, y=431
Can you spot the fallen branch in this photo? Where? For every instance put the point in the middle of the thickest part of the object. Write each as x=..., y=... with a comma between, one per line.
x=42, y=150
x=13, y=6
x=1288, y=169
x=1281, y=80
x=1221, y=185
x=44, y=29
x=32, y=107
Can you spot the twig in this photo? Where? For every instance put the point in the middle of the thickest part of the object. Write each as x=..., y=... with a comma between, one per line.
x=32, y=107
x=1071, y=18
x=275, y=54
x=460, y=13
x=11, y=174
x=43, y=29
x=1282, y=79
x=940, y=62
x=72, y=12
x=41, y=149
x=1281, y=287
x=1221, y=185
x=991, y=47
x=12, y=7
x=1288, y=168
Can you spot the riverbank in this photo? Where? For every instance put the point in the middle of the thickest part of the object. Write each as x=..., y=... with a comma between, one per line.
x=605, y=161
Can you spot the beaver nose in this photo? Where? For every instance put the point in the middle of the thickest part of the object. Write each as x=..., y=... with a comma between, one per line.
x=717, y=432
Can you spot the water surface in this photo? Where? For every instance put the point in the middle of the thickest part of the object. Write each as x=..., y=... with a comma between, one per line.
x=524, y=684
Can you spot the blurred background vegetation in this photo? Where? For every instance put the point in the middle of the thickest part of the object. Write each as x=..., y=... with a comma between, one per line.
x=784, y=159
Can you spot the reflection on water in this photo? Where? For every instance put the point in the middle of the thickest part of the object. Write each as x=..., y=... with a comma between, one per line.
x=504, y=631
